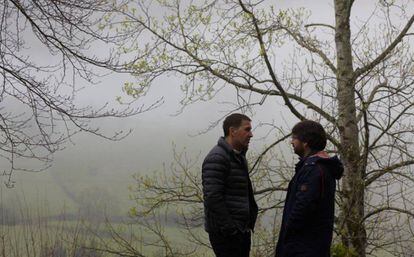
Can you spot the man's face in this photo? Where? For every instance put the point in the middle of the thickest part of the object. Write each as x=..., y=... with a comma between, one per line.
x=299, y=147
x=241, y=135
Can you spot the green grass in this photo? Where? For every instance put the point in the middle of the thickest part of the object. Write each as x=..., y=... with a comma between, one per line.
x=38, y=237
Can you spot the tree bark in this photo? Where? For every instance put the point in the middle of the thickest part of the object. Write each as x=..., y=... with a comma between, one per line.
x=352, y=229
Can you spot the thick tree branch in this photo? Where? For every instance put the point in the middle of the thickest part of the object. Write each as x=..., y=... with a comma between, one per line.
x=366, y=104
x=365, y=150
x=263, y=52
x=388, y=208
x=259, y=158
x=207, y=65
x=320, y=25
x=311, y=47
x=270, y=189
x=391, y=124
x=380, y=172
x=359, y=71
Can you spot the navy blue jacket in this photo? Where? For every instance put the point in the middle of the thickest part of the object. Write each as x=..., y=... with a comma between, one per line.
x=229, y=204
x=308, y=214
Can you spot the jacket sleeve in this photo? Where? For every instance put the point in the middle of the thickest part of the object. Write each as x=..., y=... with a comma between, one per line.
x=214, y=172
x=308, y=193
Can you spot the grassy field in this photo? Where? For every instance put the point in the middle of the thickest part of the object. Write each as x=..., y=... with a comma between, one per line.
x=68, y=236
x=39, y=237
x=87, y=222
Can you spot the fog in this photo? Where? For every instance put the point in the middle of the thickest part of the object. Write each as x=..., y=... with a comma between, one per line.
x=89, y=163
x=92, y=173
x=93, y=164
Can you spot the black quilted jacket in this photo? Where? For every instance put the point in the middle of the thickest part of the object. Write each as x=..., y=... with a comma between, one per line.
x=229, y=204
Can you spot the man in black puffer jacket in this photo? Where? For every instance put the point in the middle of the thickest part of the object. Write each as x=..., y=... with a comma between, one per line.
x=229, y=205
x=308, y=215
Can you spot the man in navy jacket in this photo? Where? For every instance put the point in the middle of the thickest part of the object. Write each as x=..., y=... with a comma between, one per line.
x=308, y=214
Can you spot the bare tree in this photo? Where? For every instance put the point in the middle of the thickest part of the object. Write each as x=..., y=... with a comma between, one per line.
x=39, y=109
x=357, y=79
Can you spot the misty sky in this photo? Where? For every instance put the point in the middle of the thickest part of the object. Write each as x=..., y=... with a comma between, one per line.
x=92, y=163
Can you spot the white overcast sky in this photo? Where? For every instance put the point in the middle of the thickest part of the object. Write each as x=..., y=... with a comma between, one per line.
x=93, y=162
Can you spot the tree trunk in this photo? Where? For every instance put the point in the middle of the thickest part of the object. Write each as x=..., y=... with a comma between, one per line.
x=352, y=212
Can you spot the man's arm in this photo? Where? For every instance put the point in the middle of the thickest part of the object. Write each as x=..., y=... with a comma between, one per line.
x=214, y=173
x=307, y=197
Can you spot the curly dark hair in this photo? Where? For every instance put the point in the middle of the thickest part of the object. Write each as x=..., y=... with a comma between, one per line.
x=310, y=132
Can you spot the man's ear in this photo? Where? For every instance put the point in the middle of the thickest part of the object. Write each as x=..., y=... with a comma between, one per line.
x=232, y=130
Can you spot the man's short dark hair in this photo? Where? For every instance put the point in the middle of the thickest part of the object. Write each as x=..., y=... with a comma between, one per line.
x=310, y=132
x=233, y=120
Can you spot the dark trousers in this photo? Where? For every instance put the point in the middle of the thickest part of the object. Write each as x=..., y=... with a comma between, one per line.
x=237, y=245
